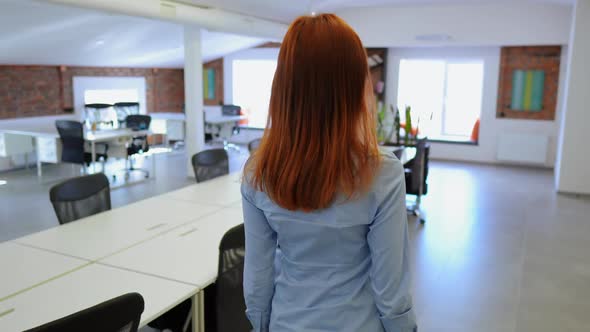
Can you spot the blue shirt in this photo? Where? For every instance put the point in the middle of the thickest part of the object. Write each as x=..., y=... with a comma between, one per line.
x=343, y=268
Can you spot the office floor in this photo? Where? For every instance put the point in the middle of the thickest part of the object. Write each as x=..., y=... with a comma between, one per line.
x=500, y=251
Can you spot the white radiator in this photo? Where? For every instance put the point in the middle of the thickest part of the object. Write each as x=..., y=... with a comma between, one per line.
x=523, y=148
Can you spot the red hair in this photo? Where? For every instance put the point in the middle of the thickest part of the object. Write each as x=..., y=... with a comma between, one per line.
x=320, y=137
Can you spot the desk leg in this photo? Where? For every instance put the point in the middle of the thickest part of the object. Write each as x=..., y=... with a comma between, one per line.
x=153, y=174
x=198, y=312
x=93, y=156
x=39, y=163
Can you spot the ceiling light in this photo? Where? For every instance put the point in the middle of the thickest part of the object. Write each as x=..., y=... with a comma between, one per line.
x=2, y=182
x=99, y=42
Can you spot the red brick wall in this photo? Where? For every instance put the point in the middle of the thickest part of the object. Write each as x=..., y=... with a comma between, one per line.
x=546, y=58
x=27, y=91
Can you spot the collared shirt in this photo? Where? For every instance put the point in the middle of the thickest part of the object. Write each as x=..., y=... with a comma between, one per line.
x=343, y=268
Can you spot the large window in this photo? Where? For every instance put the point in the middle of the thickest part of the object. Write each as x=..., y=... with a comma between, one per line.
x=445, y=96
x=110, y=96
x=251, y=86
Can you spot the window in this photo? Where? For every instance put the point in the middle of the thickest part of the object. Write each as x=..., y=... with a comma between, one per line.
x=251, y=87
x=110, y=96
x=445, y=96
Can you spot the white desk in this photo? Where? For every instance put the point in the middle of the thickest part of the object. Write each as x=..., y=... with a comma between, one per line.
x=188, y=254
x=221, y=191
x=408, y=153
x=217, y=120
x=23, y=267
x=87, y=287
x=106, y=233
x=48, y=147
x=165, y=248
x=225, y=125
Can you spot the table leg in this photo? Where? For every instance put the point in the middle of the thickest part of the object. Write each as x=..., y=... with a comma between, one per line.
x=39, y=164
x=93, y=156
x=153, y=174
x=198, y=312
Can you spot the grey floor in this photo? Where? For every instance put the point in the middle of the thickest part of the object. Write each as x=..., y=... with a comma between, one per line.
x=500, y=250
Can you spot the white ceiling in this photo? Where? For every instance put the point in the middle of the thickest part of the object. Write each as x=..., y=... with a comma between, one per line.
x=40, y=33
x=287, y=10
x=35, y=32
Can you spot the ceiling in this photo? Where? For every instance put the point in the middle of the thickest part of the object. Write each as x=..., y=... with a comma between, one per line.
x=40, y=33
x=287, y=10
x=36, y=32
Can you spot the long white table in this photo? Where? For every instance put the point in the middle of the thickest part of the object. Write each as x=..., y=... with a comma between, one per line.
x=23, y=267
x=86, y=287
x=103, y=234
x=188, y=254
x=164, y=247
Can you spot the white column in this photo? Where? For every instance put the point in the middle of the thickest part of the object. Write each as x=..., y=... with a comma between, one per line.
x=193, y=94
x=572, y=171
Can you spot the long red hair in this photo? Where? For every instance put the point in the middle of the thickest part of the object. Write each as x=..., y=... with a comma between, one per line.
x=320, y=137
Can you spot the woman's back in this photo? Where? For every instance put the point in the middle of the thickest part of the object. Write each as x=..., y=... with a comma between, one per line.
x=331, y=261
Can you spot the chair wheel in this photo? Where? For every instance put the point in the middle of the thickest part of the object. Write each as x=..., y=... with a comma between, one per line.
x=422, y=221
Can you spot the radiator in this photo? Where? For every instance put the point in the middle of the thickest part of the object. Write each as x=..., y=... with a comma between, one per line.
x=523, y=148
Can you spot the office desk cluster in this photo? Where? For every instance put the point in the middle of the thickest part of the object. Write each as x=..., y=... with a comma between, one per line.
x=164, y=247
x=47, y=144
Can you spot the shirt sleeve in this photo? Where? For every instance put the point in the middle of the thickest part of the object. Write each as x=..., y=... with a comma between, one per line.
x=259, y=264
x=388, y=242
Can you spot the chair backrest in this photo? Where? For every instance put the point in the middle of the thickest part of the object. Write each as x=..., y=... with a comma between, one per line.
x=231, y=110
x=71, y=134
x=209, y=164
x=80, y=197
x=121, y=314
x=253, y=145
x=138, y=121
x=125, y=109
x=419, y=168
x=231, y=307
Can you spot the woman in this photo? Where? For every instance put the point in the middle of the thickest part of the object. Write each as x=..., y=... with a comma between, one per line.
x=318, y=189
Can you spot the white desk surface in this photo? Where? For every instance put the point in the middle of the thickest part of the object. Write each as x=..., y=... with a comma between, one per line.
x=187, y=254
x=108, y=232
x=224, y=119
x=110, y=134
x=221, y=191
x=24, y=267
x=97, y=136
x=408, y=153
x=87, y=287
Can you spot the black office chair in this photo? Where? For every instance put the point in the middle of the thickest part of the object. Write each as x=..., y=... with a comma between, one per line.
x=80, y=197
x=121, y=314
x=71, y=134
x=139, y=144
x=225, y=308
x=253, y=145
x=416, y=174
x=231, y=307
x=97, y=112
x=209, y=164
x=124, y=109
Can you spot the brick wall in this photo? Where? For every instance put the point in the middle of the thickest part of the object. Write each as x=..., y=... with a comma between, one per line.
x=546, y=58
x=27, y=91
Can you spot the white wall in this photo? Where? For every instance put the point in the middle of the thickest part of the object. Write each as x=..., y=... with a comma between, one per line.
x=499, y=24
x=573, y=167
x=491, y=127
